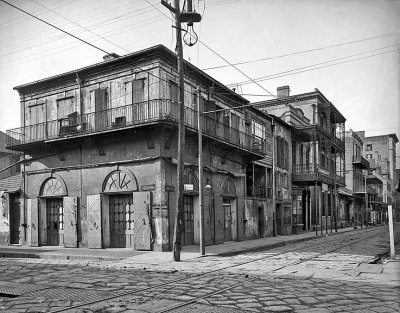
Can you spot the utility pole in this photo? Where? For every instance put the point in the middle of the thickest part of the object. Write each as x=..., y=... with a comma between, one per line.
x=201, y=197
x=188, y=17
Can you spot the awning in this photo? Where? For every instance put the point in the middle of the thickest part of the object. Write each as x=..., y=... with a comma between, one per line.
x=345, y=191
x=11, y=184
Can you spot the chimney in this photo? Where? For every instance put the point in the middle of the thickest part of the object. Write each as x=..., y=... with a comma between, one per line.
x=110, y=56
x=283, y=91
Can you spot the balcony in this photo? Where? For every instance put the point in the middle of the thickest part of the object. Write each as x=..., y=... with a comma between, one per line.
x=126, y=117
x=309, y=174
x=360, y=162
x=361, y=190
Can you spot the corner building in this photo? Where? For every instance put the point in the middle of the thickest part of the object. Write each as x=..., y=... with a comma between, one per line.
x=100, y=154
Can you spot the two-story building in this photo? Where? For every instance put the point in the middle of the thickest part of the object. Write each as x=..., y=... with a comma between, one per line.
x=100, y=155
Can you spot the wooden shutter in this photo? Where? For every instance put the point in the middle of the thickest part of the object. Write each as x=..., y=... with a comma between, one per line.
x=128, y=93
x=142, y=218
x=70, y=205
x=219, y=220
x=138, y=90
x=173, y=91
x=33, y=222
x=94, y=221
x=210, y=117
x=100, y=102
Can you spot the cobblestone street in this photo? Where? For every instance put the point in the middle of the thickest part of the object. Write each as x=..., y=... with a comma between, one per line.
x=328, y=274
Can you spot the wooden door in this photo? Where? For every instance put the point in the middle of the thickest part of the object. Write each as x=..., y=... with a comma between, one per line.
x=54, y=220
x=14, y=219
x=188, y=221
x=70, y=205
x=142, y=217
x=33, y=222
x=94, y=221
x=121, y=220
x=227, y=219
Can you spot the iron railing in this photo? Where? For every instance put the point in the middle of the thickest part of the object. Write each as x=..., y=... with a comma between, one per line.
x=131, y=115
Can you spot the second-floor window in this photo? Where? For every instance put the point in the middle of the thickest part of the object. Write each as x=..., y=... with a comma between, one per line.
x=135, y=91
x=256, y=181
x=36, y=114
x=282, y=152
x=369, y=156
x=368, y=147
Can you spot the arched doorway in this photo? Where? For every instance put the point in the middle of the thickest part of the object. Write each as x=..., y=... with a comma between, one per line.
x=120, y=216
x=190, y=200
x=57, y=214
x=229, y=209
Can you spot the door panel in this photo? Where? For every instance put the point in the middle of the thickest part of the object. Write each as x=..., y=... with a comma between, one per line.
x=188, y=221
x=94, y=221
x=33, y=227
x=54, y=220
x=121, y=220
x=142, y=217
x=14, y=220
x=70, y=205
x=227, y=220
x=219, y=220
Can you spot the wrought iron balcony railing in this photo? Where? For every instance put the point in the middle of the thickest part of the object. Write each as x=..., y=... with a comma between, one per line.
x=360, y=161
x=127, y=116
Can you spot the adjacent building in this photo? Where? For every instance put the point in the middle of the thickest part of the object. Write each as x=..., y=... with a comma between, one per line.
x=10, y=184
x=317, y=153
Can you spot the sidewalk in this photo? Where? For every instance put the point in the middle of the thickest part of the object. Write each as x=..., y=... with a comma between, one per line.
x=150, y=257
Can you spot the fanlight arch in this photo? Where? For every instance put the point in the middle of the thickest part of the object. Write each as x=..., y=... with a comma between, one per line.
x=53, y=187
x=228, y=188
x=120, y=180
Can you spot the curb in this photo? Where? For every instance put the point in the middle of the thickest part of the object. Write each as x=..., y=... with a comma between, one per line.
x=281, y=244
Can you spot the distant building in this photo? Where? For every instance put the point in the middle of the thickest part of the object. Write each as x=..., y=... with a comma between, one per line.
x=318, y=155
x=362, y=196
x=381, y=151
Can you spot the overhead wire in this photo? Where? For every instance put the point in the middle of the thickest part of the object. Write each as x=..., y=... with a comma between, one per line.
x=135, y=67
x=272, y=76
x=300, y=52
x=33, y=41
x=220, y=56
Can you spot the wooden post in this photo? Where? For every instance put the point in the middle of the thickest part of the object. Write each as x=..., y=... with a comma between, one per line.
x=391, y=235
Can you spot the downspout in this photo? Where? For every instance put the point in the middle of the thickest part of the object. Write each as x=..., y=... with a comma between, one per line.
x=79, y=82
x=273, y=180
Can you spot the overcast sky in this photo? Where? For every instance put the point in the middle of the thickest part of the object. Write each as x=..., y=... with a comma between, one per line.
x=348, y=49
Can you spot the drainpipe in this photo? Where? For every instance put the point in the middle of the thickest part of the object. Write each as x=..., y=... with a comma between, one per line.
x=273, y=180
x=79, y=82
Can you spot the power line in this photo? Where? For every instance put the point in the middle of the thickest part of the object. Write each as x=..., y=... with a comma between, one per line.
x=84, y=41
x=61, y=30
x=88, y=30
x=288, y=73
x=299, y=52
x=32, y=41
x=220, y=56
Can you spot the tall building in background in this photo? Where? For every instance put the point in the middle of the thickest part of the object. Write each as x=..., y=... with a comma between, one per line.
x=381, y=150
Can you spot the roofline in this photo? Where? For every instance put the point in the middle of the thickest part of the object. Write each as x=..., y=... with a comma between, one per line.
x=158, y=48
x=393, y=135
x=316, y=93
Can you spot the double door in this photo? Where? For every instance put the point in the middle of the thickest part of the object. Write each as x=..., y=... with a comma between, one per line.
x=54, y=220
x=121, y=221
